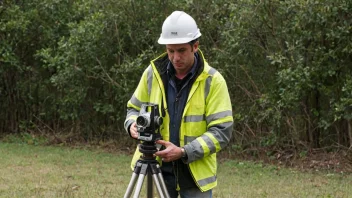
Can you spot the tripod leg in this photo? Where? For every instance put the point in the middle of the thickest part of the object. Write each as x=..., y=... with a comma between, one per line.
x=149, y=185
x=131, y=185
x=162, y=184
x=158, y=187
x=159, y=181
x=139, y=185
x=136, y=171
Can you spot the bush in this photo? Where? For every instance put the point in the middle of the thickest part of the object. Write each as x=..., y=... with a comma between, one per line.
x=71, y=66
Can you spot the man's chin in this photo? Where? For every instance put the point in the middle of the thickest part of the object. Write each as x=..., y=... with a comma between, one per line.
x=178, y=65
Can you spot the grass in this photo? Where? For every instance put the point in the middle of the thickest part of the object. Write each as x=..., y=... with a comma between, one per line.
x=248, y=179
x=46, y=171
x=37, y=171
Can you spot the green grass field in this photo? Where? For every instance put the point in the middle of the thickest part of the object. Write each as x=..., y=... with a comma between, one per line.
x=46, y=171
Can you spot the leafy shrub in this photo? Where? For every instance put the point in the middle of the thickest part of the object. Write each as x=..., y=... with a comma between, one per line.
x=71, y=66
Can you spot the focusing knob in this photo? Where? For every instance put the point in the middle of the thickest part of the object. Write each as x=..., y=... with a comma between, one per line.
x=158, y=120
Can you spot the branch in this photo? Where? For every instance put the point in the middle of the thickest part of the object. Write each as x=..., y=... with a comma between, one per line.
x=107, y=75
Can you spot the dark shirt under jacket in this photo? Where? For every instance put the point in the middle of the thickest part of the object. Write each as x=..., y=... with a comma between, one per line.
x=177, y=93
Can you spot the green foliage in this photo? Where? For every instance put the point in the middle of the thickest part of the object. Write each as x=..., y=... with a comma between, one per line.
x=25, y=138
x=294, y=62
x=71, y=66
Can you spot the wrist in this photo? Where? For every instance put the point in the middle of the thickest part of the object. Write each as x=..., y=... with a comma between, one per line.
x=183, y=153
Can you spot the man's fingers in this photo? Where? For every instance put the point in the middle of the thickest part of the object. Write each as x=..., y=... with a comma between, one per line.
x=163, y=142
x=161, y=153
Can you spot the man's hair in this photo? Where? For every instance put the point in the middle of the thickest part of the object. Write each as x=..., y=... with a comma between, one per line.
x=192, y=42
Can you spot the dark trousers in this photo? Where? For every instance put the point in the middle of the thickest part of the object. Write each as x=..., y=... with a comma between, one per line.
x=171, y=185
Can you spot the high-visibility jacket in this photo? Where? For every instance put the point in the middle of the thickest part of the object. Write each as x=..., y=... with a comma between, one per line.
x=207, y=120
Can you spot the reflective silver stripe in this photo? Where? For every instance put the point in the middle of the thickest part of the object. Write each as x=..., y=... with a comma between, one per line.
x=206, y=181
x=194, y=118
x=134, y=100
x=210, y=144
x=127, y=124
x=207, y=87
x=149, y=79
x=222, y=132
x=211, y=72
x=216, y=116
x=189, y=139
x=131, y=112
x=195, y=149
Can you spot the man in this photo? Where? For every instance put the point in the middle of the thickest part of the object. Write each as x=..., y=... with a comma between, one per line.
x=195, y=105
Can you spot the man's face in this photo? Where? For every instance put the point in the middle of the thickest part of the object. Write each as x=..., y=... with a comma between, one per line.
x=182, y=56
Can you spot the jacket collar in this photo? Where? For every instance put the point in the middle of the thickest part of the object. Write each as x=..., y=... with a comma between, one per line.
x=162, y=61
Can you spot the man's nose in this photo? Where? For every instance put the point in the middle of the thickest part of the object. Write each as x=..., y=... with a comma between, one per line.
x=177, y=56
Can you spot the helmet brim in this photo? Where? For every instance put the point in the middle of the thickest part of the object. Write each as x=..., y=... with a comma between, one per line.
x=164, y=41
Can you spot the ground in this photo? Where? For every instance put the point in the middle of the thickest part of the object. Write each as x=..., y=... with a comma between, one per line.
x=339, y=161
x=335, y=161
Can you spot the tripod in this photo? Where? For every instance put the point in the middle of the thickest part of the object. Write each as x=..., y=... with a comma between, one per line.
x=147, y=166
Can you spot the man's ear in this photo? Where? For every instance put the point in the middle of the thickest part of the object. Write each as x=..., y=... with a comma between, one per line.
x=195, y=46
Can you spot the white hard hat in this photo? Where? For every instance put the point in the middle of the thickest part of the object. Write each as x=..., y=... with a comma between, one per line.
x=179, y=28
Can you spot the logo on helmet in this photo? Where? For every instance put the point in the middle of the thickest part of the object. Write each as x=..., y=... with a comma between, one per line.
x=174, y=33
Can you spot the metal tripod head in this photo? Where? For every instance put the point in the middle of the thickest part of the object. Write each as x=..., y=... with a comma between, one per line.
x=147, y=149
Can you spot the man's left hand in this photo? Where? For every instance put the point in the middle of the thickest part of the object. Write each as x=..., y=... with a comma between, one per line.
x=170, y=153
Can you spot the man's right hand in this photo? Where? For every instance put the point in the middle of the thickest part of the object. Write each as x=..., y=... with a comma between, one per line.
x=133, y=130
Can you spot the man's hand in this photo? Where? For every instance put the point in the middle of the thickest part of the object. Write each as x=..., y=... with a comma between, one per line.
x=171, y=153
x=133, y=130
